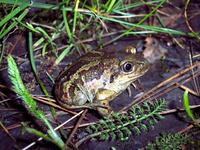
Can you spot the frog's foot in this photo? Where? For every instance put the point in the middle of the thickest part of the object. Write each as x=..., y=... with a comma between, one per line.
x=104, y=111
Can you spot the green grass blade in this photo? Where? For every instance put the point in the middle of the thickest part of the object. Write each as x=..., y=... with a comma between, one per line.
x=187, y=105
x=147, y=16
x=25, y=12
x=136, y=4
x=38, y=133
x=38, y=42
x=44, y=49
x=31, y=52
x=69, y=34
x=44, y=33
x=35, y=4
x=110, y=6
x=63, y=54
x=146, y=27
x=139, y=23
x=52, y=133
x=32, y=59
x=13, y=13
x=75, y=16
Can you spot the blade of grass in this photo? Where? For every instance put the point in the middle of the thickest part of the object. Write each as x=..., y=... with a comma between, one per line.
x=38, y=133
x=56, y=7
x=35, y=4
x=69, y=34
x=45, y=36
x=44, y=33
x=32, y=59
x=139, y=23
x=23, y=93
x=30, y=41
x=38, y=42
x=110, y=6
x=136, y=4
x=13, y=13
x=63, y=54
x=75, y=16
x=187, y=105
x=25, y=12
x=147, y=27
x=44, y=49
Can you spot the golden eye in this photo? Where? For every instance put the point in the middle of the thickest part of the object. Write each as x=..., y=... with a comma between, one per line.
x=127, y=67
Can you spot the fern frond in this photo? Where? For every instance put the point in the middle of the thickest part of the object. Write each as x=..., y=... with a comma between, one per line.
x=138, y=119
x=168, y=142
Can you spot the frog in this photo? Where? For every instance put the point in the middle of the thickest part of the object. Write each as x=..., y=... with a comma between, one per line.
x=97, y=78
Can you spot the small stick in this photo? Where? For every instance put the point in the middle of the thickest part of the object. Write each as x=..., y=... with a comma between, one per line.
x=175, y=85
x=54, y=105
x=7, y=132
x=188, y=89
x=58, y=127
x=178, y=110
x=76, y=126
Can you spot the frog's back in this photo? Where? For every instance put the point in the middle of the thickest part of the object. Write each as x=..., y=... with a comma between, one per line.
x=82, y=73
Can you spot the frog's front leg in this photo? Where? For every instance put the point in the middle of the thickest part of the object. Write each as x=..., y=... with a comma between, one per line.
x=103, y=97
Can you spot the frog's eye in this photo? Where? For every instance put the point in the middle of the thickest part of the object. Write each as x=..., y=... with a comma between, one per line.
x=127, y=67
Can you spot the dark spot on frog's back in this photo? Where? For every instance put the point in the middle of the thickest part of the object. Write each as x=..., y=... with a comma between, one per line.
x=83, y=60
x=94, y=72
x=66, y=74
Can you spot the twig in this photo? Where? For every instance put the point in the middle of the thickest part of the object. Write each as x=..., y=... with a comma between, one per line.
x=168, y=89
x=58, y=127
x=54, y=105
x=186, y=129
x=76, y=126
x=188, y=89
x=82, y=125
x=7, y=132
x=178, y=110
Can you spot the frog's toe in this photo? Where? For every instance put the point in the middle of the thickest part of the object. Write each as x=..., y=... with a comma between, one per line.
x=104, y=111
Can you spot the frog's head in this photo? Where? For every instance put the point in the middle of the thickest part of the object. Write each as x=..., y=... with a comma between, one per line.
x=130, y=66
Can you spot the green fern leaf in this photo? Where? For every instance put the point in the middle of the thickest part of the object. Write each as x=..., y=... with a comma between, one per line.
x=138, y=119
